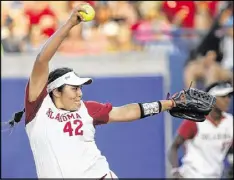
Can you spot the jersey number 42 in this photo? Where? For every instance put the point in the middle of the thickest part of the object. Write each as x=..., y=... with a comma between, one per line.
x=73, y=128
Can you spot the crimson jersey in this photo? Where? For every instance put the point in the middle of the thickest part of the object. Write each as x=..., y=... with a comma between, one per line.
x=62, y=142
x=206, y=145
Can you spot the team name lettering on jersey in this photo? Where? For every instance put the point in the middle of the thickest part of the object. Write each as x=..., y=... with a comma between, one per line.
x=62, y=117
x=219, y=136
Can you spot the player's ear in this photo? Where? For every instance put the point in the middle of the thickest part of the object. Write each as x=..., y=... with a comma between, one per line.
x=56, y=93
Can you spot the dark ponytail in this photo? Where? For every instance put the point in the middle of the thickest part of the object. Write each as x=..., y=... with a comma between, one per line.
x=52, y=76
x=5, y=126
x=17, y=118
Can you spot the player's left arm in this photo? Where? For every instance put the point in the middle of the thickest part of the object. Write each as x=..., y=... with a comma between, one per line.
x=135, y=111
x=105, y=113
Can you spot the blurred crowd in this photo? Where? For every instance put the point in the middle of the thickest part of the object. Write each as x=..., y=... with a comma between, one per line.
x=204, y=28
x=212, y=58
x=118, y=25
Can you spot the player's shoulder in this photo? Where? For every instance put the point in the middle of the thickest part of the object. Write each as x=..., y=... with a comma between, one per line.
x=95, y=104
x=188, y=123
x=91, y=103
x=95, y=108
x=187, y=129
x=228, y=117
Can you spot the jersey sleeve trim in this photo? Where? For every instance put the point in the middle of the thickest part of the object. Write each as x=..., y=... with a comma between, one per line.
x=31, y=108
x=187, y=129
x=98, y=111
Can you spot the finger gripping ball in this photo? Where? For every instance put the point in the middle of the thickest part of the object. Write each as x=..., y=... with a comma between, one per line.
x=90, y=13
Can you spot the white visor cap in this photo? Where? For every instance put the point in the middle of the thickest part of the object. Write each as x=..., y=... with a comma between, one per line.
x=221, y=89
x=69, y=78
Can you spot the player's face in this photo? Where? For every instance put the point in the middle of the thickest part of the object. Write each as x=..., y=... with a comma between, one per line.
x=223, y=102
x=71, y=97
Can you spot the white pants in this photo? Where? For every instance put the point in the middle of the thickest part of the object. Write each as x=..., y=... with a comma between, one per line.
x=188, y=172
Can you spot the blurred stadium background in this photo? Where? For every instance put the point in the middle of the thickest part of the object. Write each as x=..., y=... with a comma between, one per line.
x=136, y=51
